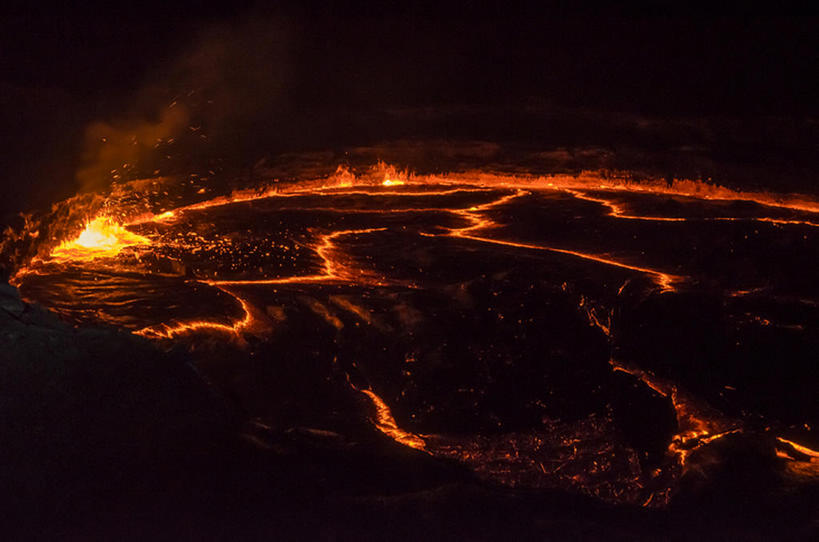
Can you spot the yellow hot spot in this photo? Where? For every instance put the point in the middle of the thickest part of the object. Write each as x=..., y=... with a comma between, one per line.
x=101, y=238
x=167, y=215
x=392, y=182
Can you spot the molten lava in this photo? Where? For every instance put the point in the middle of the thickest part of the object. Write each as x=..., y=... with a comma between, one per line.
x=171, y=330
x=331, y=251
x=386, y=423
x=101, y=238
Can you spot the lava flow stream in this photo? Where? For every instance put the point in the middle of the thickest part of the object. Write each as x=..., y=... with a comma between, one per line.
x=478, y=222
x=333, y=271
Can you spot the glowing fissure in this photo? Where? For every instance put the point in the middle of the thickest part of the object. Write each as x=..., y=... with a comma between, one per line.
x=617, y=211
x=591, y=313
x=591, y=180
x=477, y=222
x=698, y=425
x=664, y=280
x=696, y=428
x=324, y=191
x=333, y=269
x=385, y=423
x=346, y=183
x=169, y=331
x=813, y=454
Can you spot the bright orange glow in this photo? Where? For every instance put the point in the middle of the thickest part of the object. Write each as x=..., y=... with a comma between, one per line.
x=169, y=331
x=799, y=448
x=101, y=238
x=386, y=424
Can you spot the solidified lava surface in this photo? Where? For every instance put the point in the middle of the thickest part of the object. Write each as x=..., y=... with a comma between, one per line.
x=616, y=339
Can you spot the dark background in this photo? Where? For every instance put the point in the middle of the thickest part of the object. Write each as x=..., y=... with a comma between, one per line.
x=63, y=69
